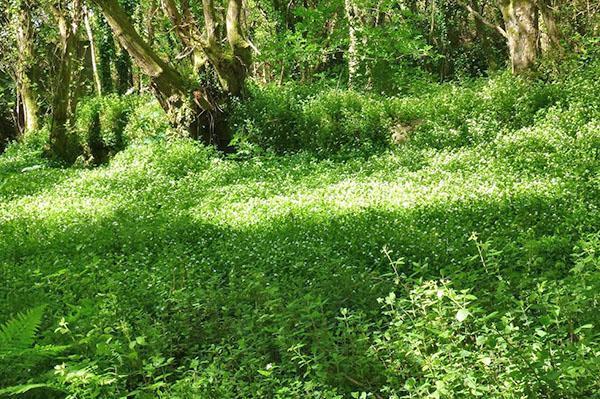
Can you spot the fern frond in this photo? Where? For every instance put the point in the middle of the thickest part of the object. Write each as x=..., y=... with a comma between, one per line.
x=18, y=334
x=21, y=389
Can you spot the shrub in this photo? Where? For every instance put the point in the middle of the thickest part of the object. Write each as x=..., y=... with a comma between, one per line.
x=440, y=341
x=336, y=120
x=148, y=121
x=270, y=118
x=284, y=119
x=106, y=125
x=100, y=125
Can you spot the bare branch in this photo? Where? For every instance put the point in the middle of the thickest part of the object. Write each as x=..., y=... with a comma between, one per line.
x=482, y=18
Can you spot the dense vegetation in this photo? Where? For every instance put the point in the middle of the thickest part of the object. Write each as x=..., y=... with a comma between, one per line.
x=395, y=199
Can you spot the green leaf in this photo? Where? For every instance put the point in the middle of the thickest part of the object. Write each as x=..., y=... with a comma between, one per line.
x=462, y=315
x=18, y=334
x=21, y=389
x=584, y=327
x=264, y=373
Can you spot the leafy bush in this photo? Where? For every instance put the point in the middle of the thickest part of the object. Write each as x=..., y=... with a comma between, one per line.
x=442, y=342
x=286, y=120
x=100, y=125
x=106, y=125
x=148, y=121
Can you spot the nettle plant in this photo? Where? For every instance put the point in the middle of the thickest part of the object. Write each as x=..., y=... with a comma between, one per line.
x=440, y=341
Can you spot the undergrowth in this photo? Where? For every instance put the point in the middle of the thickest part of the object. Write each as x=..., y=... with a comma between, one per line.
x=462, y=263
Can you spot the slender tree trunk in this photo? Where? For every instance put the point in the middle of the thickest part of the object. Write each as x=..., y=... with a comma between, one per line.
x=80, y=68
x=8, y=130
x=152, y=9
x=186, y=31
x=353, y=62
x=124, y=71
x=482, y=32
x=106, y=52
x=25, y=63
x=90, y=35
x=521, y=26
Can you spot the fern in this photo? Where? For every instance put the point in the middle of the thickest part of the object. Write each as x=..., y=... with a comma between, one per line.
x=18, y=334
x=17, y=349
x=21, y=389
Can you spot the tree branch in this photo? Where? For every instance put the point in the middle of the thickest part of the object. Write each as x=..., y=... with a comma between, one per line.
x=210, y=24
x=482, y=19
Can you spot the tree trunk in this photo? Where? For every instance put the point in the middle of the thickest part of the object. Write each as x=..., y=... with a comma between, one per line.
x=480, y=24
x=124, y=71
x=240, y=47
x=353, y=63
x=521, y=26
x=550, y=38
x=90, y=34
x=187, y=105
x=106, y=52
x=231, y=64
x=62, y=146
x=187, y=108
x=186, y=31
x=7, y=130
x=25, y=77
x=150, y=33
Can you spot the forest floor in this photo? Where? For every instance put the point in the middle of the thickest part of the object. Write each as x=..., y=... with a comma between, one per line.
x=261, y=276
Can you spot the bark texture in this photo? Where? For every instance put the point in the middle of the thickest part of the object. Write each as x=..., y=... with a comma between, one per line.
x=90, y=35
x=353, y=21
x=25, y=74
x=521, y=26
x=62, y=145
x=551, y=36
x=187, y=104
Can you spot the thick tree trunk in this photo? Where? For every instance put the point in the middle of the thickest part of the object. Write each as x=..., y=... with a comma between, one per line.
x=165, y=78
x=231, y=64
x=25, y=77
x=240, y=48
x=190, y=106
x=186, y=107
x=62, y=145
x=521, y=26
